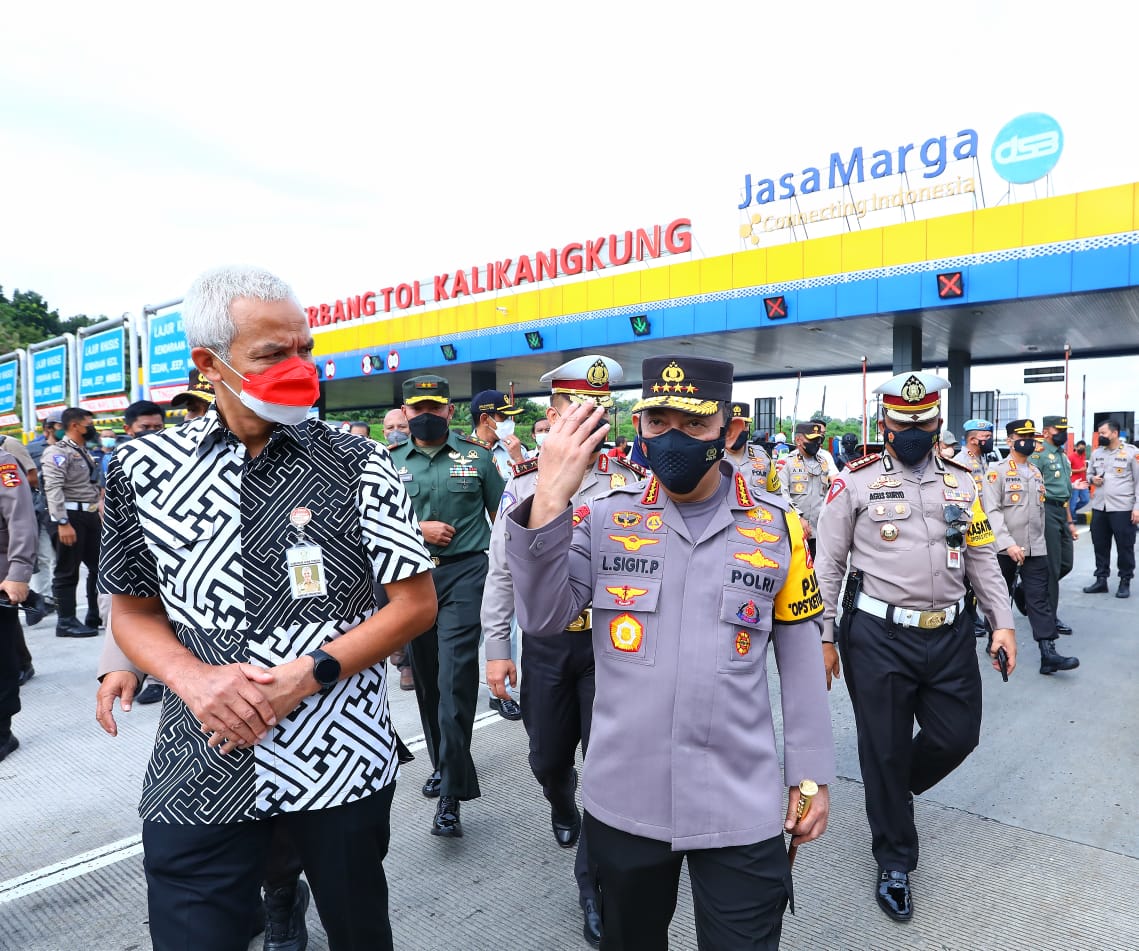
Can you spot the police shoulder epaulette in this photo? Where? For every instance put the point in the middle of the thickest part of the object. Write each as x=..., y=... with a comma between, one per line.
x=864, y=461
x=639, y=471
x=524, y=467
x=475, y=439
x=959, y=465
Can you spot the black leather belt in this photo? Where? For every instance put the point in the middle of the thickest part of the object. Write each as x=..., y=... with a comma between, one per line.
x=438, y=560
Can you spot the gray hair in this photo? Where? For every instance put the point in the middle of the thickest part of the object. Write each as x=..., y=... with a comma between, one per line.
x=206, y=312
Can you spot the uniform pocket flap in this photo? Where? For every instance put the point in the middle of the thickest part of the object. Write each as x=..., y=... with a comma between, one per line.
x=626, y=594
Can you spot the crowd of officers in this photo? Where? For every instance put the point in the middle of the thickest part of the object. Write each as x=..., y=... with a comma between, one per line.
x=641, y=590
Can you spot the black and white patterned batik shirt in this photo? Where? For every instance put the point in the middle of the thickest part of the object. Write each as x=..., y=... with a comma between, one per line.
x=192, y=519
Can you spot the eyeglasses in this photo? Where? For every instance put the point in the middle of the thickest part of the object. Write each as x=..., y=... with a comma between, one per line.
x=957, y=519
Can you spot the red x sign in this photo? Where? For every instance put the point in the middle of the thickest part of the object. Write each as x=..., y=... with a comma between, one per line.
x=950, y=284
x=776, y=307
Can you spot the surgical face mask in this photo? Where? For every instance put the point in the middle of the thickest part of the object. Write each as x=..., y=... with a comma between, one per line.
x=427, y=427
x=540, y=438
x=1026, y=447
x=680, y=461
x=911, y=446
x=1104, y=441
x=1058, y=439
x=108, y=442
x=60, y=433
x=397, y=437
x=504, y=429
x=282, y=394
x=812, y=446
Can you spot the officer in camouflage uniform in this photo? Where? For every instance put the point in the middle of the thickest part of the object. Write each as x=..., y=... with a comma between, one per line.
x=557, y=691
x=691, y=579
x=907, y=521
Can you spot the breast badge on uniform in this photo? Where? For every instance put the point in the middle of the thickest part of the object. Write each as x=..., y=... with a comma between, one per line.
x=743, y=643
x=748, y=613
x=992, y=476
x=580, y=514
x=757, y=535
x=472, y=454
x=59, y=459
x=759, y=514
x=634, y=542
x=1015, y=497
x=889, y=532
x=453, y=454
x=884, y=482
x=9, y=475
x=626, y=633
x=616, y=480
x=757, y=559
x=626, y=519
x=624, y=595
x=836, y=488
x=654, y=522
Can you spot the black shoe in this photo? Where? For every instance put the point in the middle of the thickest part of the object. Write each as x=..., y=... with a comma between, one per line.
x=446, y=821
x=402, y=753
x=151, y=693
x=25, y=674
x=1099, y=586
x=1062, y=628
x=93, y=620
x=565, y=818
x=70, y=627
x=893, y=894
x=1124, y=590
x=285, y=928
x=10, y=745
x=34, y=610
x=591, y=921
x=1050, y=661
x=431, y=787
x=507, y=709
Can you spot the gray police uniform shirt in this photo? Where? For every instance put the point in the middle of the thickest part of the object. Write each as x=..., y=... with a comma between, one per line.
x=889, y=521
x=806, y=482
x=976, y=466
x=1120, y=471
x=498, y=594
x=1014, y=502
x=19, y=530
x=682, y=747
x=69, y=475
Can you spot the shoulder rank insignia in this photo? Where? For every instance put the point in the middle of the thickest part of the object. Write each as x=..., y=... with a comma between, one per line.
x=652, y=492
x=603, y=463
x=524, y=467
x=475, y=439
x=743, y=497
x=639, y=471
x=864, y=461
x=959, y=465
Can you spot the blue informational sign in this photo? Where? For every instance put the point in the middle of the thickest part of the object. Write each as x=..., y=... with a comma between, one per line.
x=9, y=378
x=49, y=376
x=102, y=364
x=1028, y=148
x=168, y=350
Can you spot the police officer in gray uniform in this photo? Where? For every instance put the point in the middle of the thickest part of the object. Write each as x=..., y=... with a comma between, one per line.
x=691, y=580
x=71, y=487
x=1114, y=471
x=806, y=473
x=18, y=533
x=557, y=691
x=907, y=522
x=1014, y=501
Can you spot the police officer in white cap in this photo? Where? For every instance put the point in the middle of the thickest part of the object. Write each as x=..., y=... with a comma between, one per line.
x=557, y=693
x=907, y=520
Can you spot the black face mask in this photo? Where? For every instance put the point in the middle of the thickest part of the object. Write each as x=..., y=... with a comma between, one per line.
x=90, y=435
x=1058, y=439
x=911, y=446
x=740, y=443
x=986, y=446
x=680, y=461
x=1103, y=441
x=427, y=427
x=1026, y=447
x=811, y=448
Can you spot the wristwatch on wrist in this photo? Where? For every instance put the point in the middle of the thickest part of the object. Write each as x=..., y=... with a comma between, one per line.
x=61, y=521
x=325, y=669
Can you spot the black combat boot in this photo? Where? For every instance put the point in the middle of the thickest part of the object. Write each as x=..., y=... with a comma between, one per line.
x=285, y=927
x=1050, y=661
x=1124, y=588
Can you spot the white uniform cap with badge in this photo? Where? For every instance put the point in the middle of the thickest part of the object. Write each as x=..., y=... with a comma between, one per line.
x=585, y=379
x=912, y=397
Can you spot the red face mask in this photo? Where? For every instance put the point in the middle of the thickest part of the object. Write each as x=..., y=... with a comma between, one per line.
x=282, y=394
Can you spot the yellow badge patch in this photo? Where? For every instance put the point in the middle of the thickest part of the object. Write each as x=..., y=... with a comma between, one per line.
x=634, y=542
x=757, y=535
x=800, y=597
x=759, y=514
x=616, y=480
x=626, y=633
x=756, y=559
x=980, y=531
x=654, y=522
x=626, y=595
x=626, y=519
x=991, y=476
x=743, y=643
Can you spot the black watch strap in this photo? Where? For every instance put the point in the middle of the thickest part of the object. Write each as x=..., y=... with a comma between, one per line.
x=325, y=668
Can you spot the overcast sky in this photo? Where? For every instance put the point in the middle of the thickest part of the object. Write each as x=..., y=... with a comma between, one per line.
x=349, y=146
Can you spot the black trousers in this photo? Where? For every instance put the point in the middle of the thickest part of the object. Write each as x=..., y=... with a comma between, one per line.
x=203, y=880
x=68, y=558
x=739, y=892
x=557, y=709
x=1061, y=550
x=1105, y=527
x=11, y=636
x=445, y=660
x=895, y=675
x=1034, y=575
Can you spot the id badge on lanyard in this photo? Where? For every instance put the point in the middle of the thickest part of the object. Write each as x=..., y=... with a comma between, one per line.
x=304, y=561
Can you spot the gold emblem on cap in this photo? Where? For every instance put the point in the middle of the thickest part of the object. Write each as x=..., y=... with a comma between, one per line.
x=913, y=390
x=598, y=374
x=672, y=373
